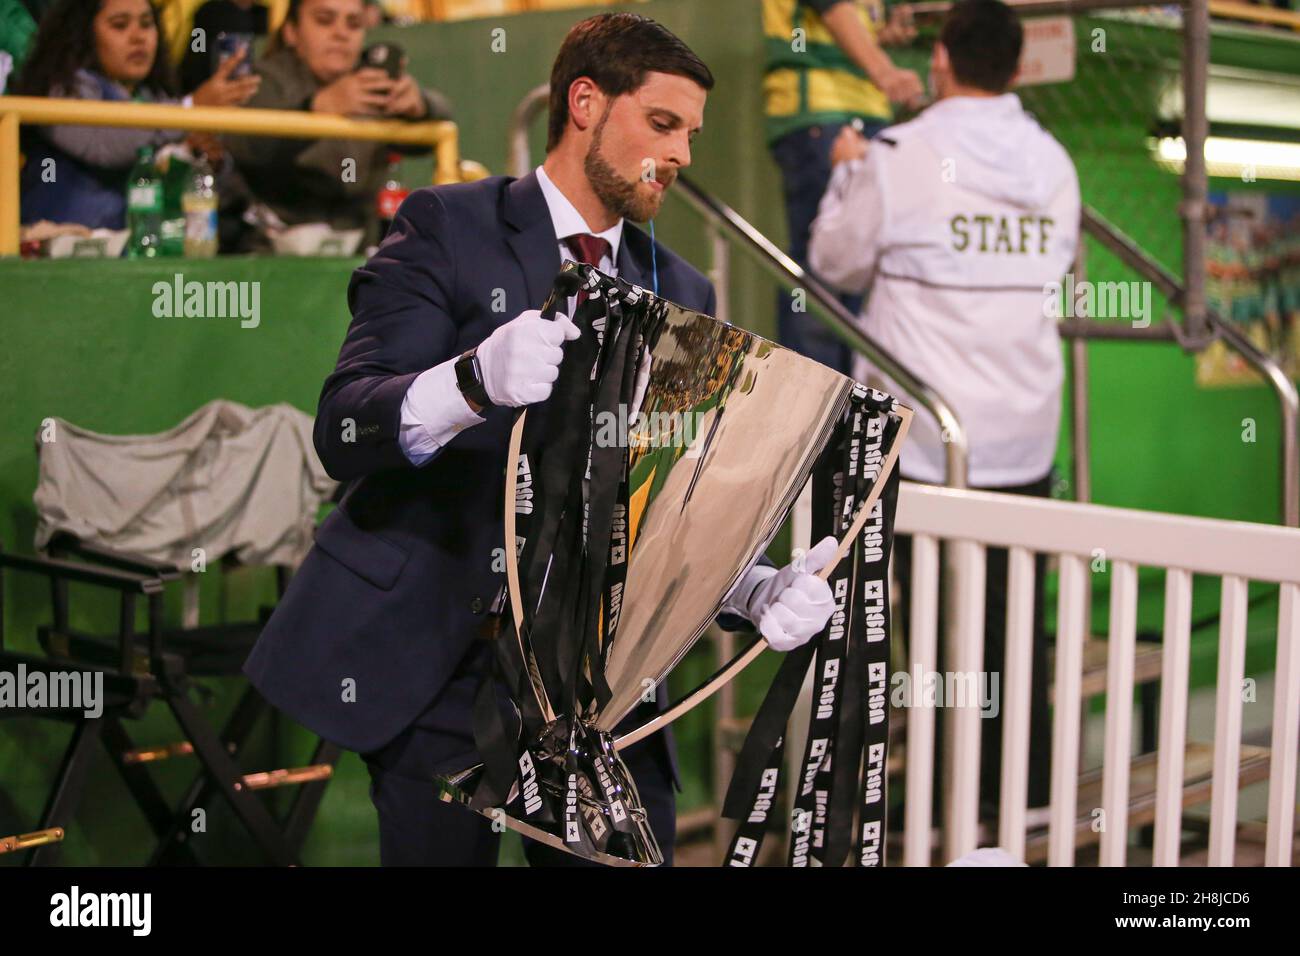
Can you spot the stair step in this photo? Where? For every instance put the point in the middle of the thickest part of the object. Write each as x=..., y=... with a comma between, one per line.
x=1198, y=770
x=1146, y=666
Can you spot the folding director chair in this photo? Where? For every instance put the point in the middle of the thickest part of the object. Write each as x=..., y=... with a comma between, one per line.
x=163, y=664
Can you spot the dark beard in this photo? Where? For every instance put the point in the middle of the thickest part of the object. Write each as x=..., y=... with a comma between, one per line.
x=618, y=195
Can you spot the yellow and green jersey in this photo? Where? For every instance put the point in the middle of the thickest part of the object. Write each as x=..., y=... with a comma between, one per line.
x=809, y=79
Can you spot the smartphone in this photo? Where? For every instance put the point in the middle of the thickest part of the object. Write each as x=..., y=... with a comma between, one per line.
x=229, y=44
x=384, y=56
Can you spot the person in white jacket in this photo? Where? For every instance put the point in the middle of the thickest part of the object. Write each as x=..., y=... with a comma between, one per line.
x=956, y=222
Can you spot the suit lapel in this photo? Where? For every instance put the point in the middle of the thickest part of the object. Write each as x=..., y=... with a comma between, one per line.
x=533, y=239
x=634, y=257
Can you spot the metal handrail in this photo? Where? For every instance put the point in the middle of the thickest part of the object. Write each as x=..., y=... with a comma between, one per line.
x=442, y=135
x=839, y=320
x=933, y=9
x=1092, y=223
x=834, y=315
x=1254, y=13
x=1129, y=253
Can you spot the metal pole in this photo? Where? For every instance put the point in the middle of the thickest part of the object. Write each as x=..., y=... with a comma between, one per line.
x=293, y=124
x=1080, y=439
x=720, y=271
x=1284, y=389
x=1196, y=58
x=1289, y=402
x=9, y=198
x=518, y=159
x=724, y=758
x=1030, y=8
x=1100, y=331
x=446, y=167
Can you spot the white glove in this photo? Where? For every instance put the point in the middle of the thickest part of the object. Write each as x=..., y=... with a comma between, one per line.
x=520, y=361
x=791, y=607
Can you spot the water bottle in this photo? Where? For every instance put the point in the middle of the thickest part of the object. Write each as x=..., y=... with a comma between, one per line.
x=144, y=205
x=199, y=203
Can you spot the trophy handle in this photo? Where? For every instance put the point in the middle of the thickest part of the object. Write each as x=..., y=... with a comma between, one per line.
x=751, y=653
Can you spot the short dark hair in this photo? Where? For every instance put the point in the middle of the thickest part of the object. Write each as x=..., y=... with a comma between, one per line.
x=616, y=50
x=65, y=43
x=983, y=39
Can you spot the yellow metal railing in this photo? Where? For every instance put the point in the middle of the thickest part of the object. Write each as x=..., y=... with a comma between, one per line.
x=441, y=135
x=472, y=9
x=1254, y=13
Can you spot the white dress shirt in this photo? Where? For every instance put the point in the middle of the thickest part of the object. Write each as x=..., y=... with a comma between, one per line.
x=434, y=411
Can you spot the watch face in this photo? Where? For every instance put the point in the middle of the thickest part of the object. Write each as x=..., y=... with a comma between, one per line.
x=469, y=379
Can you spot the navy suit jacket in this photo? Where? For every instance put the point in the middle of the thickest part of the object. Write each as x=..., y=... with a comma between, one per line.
x=395, y=589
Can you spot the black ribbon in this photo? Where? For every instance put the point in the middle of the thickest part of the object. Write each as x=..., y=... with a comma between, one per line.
x=571, y=530
x=848, y=732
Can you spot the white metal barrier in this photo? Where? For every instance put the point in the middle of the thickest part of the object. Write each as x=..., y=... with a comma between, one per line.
x=1236, y=552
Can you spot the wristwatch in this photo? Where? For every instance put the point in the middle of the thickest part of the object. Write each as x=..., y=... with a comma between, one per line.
x=469, y=379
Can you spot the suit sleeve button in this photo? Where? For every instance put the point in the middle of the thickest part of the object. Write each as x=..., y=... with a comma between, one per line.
x=476, y=605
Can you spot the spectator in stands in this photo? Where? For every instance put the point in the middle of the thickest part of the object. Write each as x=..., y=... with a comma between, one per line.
x=825, y=69
x=100, y=50
x=374, y=15
x=243, y=18
x=960, y=222
x=313, y=65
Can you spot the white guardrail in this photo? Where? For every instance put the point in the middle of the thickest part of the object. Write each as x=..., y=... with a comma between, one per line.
x=1236, y=552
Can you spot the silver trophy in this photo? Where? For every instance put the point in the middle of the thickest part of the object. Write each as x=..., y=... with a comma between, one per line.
x=669, y=454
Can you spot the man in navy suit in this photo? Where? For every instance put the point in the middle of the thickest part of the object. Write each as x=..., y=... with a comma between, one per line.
x=375, y=644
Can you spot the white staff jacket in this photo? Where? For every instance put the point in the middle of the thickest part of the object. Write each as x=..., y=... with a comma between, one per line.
x=959, y=221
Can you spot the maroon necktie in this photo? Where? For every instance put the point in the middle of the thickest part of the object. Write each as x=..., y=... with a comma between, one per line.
x=588, y=248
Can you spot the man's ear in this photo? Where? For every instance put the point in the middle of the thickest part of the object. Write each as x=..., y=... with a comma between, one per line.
x=289, y=33
x=586, y=103
x=939, y=59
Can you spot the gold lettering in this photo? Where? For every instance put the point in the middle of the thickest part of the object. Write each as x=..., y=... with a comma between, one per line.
x=961, y=238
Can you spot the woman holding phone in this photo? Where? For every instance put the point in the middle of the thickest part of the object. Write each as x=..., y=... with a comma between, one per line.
x=101, y=50
x=227, y=26
x=315, y=63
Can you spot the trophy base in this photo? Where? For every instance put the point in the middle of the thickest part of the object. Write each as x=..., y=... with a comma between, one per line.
x=583, y=791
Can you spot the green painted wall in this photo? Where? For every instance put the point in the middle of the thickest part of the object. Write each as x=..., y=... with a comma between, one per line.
x=81, y=342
